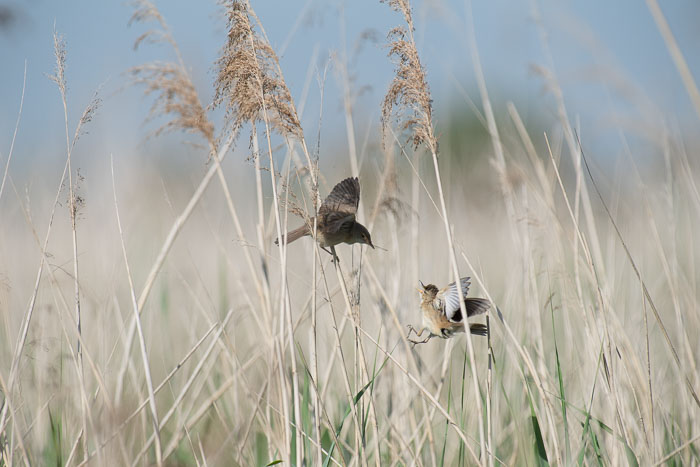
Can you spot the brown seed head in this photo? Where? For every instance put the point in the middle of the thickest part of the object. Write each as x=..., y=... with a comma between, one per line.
x=175, y=94
x=408, y=96
x=249, y=83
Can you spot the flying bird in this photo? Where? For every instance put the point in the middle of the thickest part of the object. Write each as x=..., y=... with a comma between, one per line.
x=336, y=221
x=442, y=315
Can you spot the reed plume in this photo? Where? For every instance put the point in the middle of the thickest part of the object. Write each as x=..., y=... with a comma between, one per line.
x=248, y=81
x=408, y=98
x=175, y=94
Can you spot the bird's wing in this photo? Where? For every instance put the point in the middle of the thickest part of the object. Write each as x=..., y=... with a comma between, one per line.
x=336, y=222
x=450, y=297
x=342, y=201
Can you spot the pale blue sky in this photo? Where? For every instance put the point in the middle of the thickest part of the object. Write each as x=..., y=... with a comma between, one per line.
x=591, y=42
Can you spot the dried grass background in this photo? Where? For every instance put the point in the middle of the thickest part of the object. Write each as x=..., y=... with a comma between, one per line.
x=246, y=353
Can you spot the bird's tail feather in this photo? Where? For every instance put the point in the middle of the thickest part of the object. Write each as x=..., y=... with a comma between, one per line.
x=295, y=234
x=478, y=329
x=476, y=306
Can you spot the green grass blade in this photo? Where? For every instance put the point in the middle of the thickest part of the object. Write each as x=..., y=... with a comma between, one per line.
x=355, y=400
x=560, y=378
x=540, y=450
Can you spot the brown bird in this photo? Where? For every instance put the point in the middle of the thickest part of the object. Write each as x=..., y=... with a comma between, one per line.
x=442, y=316
x=336, y=219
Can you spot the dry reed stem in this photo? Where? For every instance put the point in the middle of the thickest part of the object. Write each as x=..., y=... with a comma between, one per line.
x=343, y=361
x=593, y=253
x=252, y=87
x=379, y=289
x=505, y=185
x=583, y=243
x=142, y=340
x=358, y=343
x=644, y=287
x=676, y=54
x=355, y=171
x=74, y=449
x=87, y=415
x=15, y=429
x=165, y=248
x=409, y=97
x=455, y=272
x=441, y=215
x=185, y=388
x=156, y=390
x=14, y=134
x=73, y=203
x=574, y=151
x=176, y=96
x=295, y=133
x=427, y=395
x=62, y=304
x=352, y=153
x=292, y=347
x=521, y=350
x=329, y=423
x=32, y=302
x=679, y=449
x=317, y=401
x=409, y=93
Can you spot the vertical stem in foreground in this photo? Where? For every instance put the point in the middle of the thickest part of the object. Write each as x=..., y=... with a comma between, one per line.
x=455, y=272
x=74, y=204
x=507, y=192
x=409, y=97
x=142, y=340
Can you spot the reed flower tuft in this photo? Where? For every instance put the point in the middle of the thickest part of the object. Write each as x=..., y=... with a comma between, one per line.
x=248, y=82
x=175, y=93
x=408, y=97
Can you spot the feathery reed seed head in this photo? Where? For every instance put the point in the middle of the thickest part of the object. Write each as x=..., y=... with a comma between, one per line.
x=247, y=82
x=409, y=95
x=175, y=93
x=59, y=76
x=175, y=96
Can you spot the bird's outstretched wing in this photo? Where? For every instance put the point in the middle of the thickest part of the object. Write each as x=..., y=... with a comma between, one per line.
x=344, y=198
x=341, y=204
x=449, y=296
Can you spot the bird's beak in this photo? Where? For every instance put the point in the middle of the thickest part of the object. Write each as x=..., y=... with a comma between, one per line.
x=370, y=244
x=422, y=285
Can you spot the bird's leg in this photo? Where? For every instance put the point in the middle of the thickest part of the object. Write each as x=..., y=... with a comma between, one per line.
x=336, y=260
x=430, y=336
x=418, y=334
x=412, y=329
x=332, y=253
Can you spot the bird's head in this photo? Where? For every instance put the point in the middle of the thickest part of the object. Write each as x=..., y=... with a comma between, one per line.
x=427, y=292
x=361, y=235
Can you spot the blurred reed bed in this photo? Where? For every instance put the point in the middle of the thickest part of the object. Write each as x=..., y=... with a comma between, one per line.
x=149, y=318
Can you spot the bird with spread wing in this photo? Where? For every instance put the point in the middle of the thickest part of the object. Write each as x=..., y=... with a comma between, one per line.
x=336, y=221
x=442, y=315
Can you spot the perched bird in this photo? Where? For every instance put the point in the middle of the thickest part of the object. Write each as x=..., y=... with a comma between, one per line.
x=442, y=316
x=336, y=219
